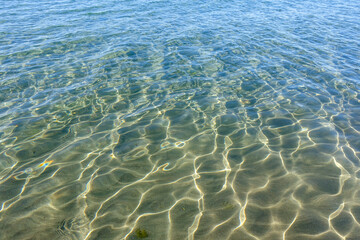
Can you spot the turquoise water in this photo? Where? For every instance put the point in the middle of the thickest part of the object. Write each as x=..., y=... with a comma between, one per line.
x=180, y=119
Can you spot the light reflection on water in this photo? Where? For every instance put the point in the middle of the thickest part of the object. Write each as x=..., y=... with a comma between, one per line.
x=179, y=120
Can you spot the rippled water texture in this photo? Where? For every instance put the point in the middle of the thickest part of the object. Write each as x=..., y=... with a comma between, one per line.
x=180, y=119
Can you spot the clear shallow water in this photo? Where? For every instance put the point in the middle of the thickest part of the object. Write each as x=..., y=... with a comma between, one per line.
x=180, y=120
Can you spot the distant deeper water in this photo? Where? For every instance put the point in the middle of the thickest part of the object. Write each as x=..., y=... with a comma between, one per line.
x=180, y=120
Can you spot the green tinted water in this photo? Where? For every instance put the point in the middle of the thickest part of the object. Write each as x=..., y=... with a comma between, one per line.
x=179, y=120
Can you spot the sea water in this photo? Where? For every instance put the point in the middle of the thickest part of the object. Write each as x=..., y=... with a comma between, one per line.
x=180, y=119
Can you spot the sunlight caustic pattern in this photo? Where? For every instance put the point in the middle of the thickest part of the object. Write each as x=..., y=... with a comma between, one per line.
x=210, y=120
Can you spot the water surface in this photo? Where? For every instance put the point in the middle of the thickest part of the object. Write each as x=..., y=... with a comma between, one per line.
x=180, y=119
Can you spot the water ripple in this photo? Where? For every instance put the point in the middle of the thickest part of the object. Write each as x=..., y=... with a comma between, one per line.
x=179, y=120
